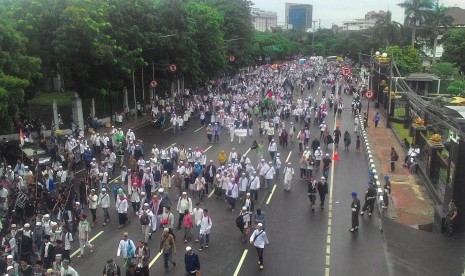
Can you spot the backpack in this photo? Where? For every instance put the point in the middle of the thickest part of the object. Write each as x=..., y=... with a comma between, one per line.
x=240, y=222
x=144, y=219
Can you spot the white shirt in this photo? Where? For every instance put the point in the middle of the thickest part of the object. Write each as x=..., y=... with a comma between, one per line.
x=261, y=239
x=123, y=247
x=122, y=206
x=205, y=225
x=254, y=182
x=105, y=200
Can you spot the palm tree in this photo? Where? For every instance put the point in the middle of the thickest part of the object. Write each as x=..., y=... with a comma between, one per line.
x=416, y=12
x=437, y=25
x=387, y=30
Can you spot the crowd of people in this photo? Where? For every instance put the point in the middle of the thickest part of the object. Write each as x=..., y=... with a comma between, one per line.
x=159, y=185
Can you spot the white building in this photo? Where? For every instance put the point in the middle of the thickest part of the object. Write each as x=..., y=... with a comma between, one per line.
x=358, y=24
x=264, y=21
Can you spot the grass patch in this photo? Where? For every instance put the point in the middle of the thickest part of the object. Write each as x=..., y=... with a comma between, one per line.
x=399, y=112
x=62, y=99
x=402, y=132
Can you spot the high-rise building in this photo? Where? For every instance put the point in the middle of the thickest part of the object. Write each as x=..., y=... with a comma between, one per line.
x=299, y=16
x=263, y=20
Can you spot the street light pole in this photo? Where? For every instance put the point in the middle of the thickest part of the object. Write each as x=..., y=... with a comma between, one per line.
x=134, y=94
x=388, y=118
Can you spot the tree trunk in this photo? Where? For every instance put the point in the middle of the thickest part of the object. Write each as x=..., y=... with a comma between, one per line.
x=413, y=35
x=435, y=46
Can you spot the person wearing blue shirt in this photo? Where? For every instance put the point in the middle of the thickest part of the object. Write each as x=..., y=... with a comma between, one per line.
x=191, y=262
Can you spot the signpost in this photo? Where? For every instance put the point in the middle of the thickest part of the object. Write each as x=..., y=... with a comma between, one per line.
x=153, y=84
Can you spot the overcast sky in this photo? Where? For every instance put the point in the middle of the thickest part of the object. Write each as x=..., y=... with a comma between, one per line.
x=336, y=11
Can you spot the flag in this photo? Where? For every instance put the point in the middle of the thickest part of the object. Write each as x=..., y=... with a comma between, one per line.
x=268, y=97
x=21, y=137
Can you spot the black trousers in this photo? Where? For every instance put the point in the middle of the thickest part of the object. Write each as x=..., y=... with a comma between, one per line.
x=181, y=218
x=122, y=217
x=393, y=166
x=260, y=254
x=94, y=214
x=370, y=203
x=354, y=219
x=322, y=199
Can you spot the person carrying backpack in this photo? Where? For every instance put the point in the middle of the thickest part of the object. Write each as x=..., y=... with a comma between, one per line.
x=393, y=158
x=146, y=217
x=111, y=269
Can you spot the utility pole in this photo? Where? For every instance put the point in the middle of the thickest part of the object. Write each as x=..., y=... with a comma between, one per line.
x=313, y=38
x=134, y=94
x=319, y=24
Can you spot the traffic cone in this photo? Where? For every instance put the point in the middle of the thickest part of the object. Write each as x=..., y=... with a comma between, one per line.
x=336, y=155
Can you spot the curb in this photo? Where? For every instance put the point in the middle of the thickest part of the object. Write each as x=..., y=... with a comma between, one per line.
x=371, y=165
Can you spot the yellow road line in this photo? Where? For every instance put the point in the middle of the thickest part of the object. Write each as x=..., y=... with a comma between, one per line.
x=91, y=240
x=247, y=151
x=207, y=149
x=211, y=193
x=238, y=268
x=199, y=128
x=166, y=129
x=155, y=259
x=271, y=194
x=288, y=156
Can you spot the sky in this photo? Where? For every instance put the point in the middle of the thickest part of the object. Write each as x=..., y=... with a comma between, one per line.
x=336, y=11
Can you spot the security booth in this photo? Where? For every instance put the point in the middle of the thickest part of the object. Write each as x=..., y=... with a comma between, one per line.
x=421, y=83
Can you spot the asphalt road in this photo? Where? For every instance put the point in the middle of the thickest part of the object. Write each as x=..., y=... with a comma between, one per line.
x=301, y=242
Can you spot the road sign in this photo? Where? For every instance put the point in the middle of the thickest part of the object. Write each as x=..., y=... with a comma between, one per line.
x=346, y=71
x=369, y=94
x=231, y=58
x=172, y=68
x=153, y=83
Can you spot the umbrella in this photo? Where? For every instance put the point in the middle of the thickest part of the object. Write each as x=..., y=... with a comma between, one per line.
x=274, y=66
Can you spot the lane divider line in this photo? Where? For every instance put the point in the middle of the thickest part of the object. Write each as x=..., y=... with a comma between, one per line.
x=288, y=156
x=199, y=128
x=238, y=268
x=166, y=129
x=91, y=240
x=211, y=193
x=207, y=148
x=271, y=194
x=155, y=259
x=330, y=209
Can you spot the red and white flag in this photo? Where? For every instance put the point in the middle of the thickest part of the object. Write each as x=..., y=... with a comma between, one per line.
x=21, y=136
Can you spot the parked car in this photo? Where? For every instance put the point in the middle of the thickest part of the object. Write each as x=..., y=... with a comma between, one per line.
x=27, y=153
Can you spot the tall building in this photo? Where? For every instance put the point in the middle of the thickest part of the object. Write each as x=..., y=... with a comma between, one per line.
x=299, y=16
x=263, y=21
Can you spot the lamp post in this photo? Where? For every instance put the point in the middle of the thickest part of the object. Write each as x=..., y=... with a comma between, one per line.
x=383, y=59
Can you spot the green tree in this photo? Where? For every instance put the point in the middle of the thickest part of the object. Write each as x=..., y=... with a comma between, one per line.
x=17, y=72
x=454, y=46
x=416, y=13
x=436, y=25
x=445, y=70
x=205, y=26
x=406, y=58
x=456, y=88
x=387, y=30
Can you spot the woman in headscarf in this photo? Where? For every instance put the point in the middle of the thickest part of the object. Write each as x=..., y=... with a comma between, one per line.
x=222, y=157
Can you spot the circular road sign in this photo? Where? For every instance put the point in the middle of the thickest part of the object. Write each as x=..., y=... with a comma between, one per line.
x=231, y=58
x=369, y=94
x=172, y=67
x=153, y=83
x=346, y=71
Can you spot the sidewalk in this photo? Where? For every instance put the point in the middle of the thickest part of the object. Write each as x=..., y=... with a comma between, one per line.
x=410, y=203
